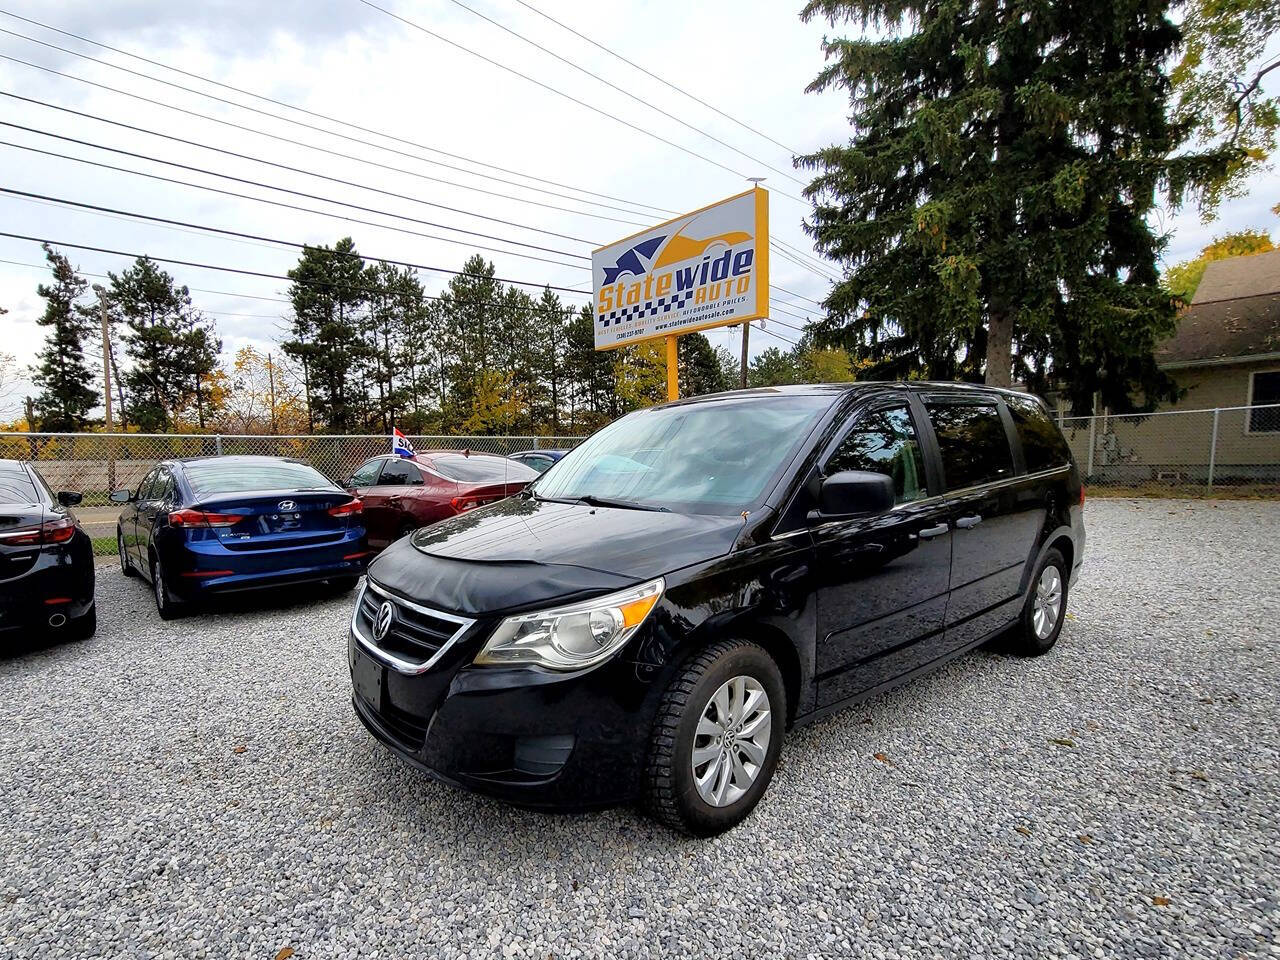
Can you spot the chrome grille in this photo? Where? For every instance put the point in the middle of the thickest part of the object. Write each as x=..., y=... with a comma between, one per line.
x=416, y=637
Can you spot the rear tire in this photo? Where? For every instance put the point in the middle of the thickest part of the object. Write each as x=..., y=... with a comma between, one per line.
x=169, y=607
x=715, y=739
x=1045, y=608
x=126, y=565
x=344, y=584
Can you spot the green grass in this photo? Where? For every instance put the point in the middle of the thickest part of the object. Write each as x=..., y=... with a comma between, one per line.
x=105, y=547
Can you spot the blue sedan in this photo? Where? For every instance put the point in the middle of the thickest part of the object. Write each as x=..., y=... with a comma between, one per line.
x=540, y=460
x=216, y=525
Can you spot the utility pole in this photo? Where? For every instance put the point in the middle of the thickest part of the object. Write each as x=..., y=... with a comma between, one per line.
x=106, y=384
x=746, y=330
x=271, y=392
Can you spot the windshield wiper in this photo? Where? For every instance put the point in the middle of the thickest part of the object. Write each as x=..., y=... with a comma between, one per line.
x=592, y=500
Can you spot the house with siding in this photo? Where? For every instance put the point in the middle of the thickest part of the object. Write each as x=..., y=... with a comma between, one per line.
x=1225, y=358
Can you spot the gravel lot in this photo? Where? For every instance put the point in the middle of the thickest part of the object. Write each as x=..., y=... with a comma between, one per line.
x=204, y=790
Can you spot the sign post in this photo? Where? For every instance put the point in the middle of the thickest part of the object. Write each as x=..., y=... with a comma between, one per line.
x=708, y=268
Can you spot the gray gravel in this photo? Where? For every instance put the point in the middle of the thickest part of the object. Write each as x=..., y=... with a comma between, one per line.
x=1116, y=798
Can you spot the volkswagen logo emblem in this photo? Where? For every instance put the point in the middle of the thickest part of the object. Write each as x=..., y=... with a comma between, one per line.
x=386, y=616
x=287, y=506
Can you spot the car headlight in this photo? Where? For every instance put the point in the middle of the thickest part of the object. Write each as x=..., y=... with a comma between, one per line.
x=575, y=636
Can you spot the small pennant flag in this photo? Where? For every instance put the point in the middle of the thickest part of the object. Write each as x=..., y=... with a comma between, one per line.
x=400, y=444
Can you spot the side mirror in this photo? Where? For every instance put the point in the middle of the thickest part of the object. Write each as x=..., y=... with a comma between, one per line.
x=855, y=492
x=69, y=498
x=121, y=496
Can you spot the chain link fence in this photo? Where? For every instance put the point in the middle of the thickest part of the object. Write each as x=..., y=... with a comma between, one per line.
x=1222, y=451
x=94, y=464
x=1231, y=451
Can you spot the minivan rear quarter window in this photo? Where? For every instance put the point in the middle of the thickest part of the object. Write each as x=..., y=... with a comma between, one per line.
x=972, y=442
x=1042, y=445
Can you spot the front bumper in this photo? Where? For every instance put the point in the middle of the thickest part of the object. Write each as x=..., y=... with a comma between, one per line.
x=532, y=737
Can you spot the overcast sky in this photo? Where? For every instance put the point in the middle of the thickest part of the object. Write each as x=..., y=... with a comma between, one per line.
x=343, y=59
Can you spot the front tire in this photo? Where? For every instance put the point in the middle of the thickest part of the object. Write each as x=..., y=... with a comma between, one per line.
x=716, y=739
x=167, y=605
x=1045, y=608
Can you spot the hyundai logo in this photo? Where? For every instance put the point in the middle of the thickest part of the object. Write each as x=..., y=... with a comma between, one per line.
x=287, y=506
x=382, y=625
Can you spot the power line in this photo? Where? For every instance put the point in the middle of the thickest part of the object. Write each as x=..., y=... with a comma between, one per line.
x=567, y=96
x=626, y=93
x=252, y=273
x=267, y=186
x=319, y=176
x=309, y=126
x=216, y=313
x=107, y=276
x=284, y=243
x=649, y=73
x=272, y=136
x=362, y=129
x=799, y=296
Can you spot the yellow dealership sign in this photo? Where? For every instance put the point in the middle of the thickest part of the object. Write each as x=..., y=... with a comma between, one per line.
x=708, y=268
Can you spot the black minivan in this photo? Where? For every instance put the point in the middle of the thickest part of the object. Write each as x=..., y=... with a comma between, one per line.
x=654, y=612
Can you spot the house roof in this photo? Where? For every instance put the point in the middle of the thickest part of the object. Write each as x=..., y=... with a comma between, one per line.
x=1222, y=330
x=1238, y=277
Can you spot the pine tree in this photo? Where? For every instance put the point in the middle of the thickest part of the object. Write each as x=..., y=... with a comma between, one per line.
x=991, y=207
x=173, y=349
x=698, y=366
x=329, y=297
x=61, y=373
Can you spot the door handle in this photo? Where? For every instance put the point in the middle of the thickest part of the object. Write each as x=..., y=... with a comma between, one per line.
x=968, y=523
x=928, y=533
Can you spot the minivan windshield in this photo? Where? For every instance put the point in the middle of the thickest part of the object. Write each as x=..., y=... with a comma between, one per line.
x=716, y=457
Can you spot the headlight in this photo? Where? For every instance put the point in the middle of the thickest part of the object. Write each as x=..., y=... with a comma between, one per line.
x=574, y=636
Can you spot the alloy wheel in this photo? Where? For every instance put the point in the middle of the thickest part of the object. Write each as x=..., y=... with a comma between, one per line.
x=731, y=741
x=157, y=584
x=1048, y=602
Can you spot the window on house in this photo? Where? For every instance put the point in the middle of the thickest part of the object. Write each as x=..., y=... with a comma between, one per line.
x=1264, y=390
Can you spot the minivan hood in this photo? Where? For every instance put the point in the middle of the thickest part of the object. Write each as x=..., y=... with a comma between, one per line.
x=521, y=552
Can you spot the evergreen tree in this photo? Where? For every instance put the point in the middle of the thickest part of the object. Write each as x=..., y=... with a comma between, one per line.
x=61, y=373
x=771, y=368
x=173, y=349
x=329, y=297
x=593, y=400
x=698, y=366
x=994, y=195
x=550, y=327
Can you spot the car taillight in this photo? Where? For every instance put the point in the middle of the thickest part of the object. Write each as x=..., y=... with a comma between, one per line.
x=198, y=518
x=465, y=503
x=51, y=531
x=1082, y=494
x=350, y=508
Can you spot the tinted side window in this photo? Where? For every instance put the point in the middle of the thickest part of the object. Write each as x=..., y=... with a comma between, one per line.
x=399, y=473
x=365, y=476
x=164, y=487
x=148, y=482
x=972, y=441
x=884, y=441
x=15, y=485
x=1042, y=445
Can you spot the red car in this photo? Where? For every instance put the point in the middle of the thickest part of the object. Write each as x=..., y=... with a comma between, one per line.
x=402, y=494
